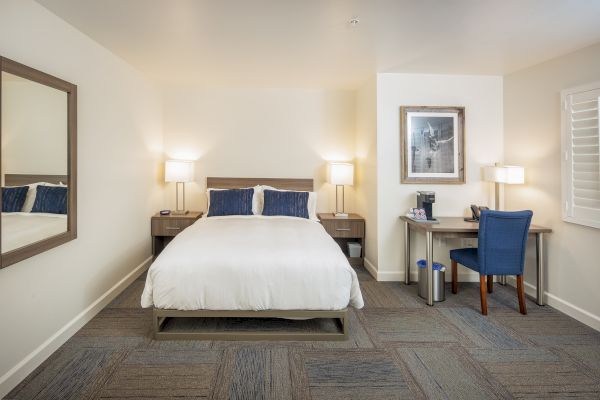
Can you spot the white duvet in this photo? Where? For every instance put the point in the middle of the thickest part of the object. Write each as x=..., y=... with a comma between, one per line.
x=252, y=263
x=22, y=228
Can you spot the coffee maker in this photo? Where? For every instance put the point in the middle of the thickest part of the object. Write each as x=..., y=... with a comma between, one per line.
x=425, y=200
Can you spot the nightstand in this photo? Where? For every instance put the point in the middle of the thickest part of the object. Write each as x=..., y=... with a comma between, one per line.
x=344, y=230
x=165, y=227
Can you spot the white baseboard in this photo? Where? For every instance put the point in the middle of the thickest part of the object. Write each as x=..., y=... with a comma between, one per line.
x=581, y=315
x=398, y=276
x=371, y=268
x=20, y=371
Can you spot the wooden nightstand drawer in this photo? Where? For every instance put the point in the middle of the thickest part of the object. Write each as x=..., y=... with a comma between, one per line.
x=344, y=228
x=169, y=227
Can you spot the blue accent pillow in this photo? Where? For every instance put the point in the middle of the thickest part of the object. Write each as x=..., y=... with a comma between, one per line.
x=291, y=204
x=13, y=198
x=50, y=199
x=230, y=202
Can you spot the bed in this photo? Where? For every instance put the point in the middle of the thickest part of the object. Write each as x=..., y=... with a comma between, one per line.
x=280, y=267
x=23, y=228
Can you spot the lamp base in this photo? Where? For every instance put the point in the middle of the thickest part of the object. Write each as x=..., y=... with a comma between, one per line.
x=340, y=215
x=179, y=212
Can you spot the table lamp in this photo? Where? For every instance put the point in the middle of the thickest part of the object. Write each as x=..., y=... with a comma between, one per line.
x=506, y=174
x=179, y=171
x=341, y=174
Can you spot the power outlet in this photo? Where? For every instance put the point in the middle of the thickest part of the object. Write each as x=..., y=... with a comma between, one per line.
x=468, y=242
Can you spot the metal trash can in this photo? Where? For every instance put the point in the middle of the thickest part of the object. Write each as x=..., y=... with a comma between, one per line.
x=439, y=287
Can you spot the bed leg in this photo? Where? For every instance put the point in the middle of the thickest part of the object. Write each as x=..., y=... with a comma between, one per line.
x=344, y=326
x=157, y=324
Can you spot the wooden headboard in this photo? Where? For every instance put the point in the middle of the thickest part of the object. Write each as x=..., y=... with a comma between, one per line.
x=305, y=185
x=26, y=179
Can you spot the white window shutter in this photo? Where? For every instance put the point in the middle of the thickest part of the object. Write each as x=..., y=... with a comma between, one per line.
x=581, y=155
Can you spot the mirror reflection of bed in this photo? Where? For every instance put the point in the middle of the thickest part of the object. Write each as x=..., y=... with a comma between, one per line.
x=34, y=162
x=26, y=227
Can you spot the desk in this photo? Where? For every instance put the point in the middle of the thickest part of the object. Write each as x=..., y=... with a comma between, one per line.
x=456, y=227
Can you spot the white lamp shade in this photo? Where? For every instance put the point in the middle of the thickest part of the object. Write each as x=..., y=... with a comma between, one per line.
x=506, y=174
x=341, y=173
x=179, y=171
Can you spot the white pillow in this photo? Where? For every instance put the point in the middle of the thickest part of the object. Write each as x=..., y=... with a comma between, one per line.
x=256, y=202
x=311, y=204
x=32, y=192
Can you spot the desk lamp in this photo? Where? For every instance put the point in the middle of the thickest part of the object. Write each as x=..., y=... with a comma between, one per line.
x=500, y=175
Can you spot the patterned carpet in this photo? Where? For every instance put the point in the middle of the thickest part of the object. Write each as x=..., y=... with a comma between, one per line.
x=398, y=348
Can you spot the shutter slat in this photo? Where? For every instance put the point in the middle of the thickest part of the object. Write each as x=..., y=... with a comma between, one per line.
x=586, y=167
x=585, y=149
x=588, y=116
x=585, y=124
x=588, y=203
x=585, y=140
x=585, y=158
x=587, y=194
x=575, y=112
x=587, y=176
x=584, y=132
x=581, y=184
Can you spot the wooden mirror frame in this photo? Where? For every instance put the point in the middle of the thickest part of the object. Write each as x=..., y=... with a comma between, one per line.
x=34, y=75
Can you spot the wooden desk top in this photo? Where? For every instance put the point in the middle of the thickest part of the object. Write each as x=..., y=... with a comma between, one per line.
x=458, y=225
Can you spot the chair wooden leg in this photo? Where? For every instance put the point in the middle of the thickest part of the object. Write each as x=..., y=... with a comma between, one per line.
x=482, y=292
x=454, y=277
x=521, y=294
x=490, y=283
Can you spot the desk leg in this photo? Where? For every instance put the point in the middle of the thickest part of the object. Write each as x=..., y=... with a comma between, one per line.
x=406, y=253
x=429, y=240
x=539, y=247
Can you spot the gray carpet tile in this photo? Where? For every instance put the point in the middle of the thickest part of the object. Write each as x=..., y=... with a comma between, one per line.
x=398, y=348
x=354, y=375
x=480, y=329
x=409, y=325
x=448, y=372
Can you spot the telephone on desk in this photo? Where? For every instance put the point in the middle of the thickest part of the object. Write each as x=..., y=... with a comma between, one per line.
x=476, y=211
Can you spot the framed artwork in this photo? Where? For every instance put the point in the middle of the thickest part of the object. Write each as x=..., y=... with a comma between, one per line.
x=432, y=143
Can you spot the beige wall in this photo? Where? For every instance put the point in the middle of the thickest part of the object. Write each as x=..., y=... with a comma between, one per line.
x=273, y=133
x=532, y=139
x=366, y=167
x=482, y=98
x=120, y=148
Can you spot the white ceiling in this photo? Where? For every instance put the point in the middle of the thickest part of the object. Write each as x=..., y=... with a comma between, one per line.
x=309, y=43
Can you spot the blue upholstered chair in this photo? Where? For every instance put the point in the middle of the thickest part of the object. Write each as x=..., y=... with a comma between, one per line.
x=502, y=240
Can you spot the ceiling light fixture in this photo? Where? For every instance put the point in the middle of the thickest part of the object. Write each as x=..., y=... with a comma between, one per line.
x=354, y=21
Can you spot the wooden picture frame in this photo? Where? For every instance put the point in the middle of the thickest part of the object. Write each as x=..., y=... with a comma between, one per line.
x=32, y=249
x=432, y=145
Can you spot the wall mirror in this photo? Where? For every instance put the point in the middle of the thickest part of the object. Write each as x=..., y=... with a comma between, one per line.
x=38, y=156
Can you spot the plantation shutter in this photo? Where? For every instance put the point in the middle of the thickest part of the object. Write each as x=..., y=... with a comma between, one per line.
x=581, y=155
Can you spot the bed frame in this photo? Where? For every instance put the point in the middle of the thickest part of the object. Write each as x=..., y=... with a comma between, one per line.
x=27, y=179
x=161, y=316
